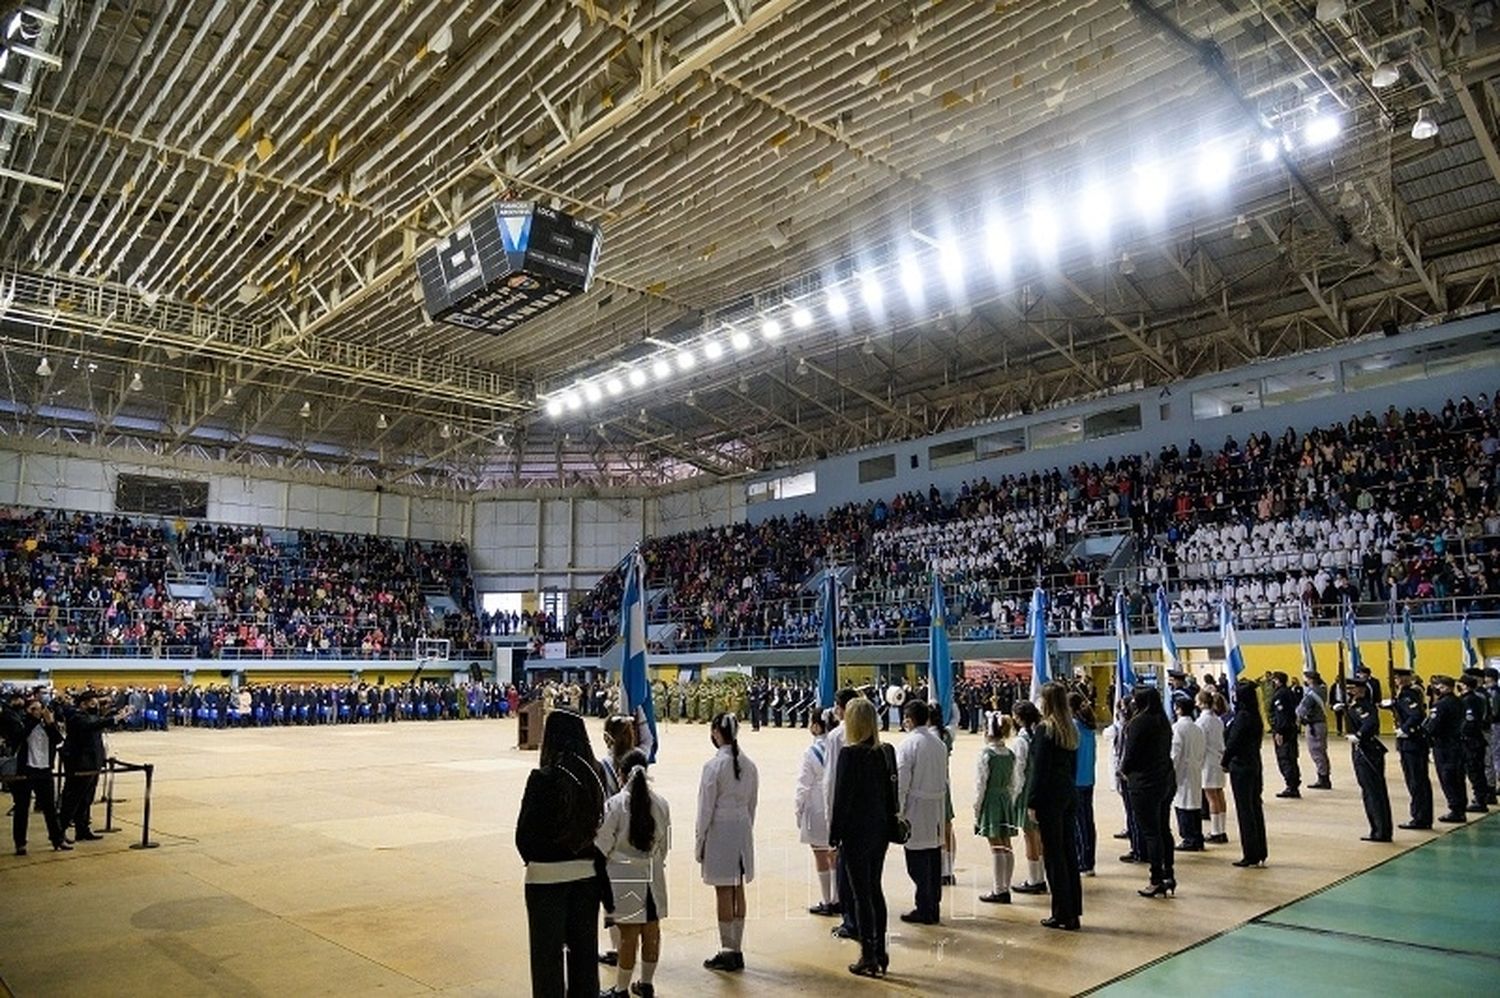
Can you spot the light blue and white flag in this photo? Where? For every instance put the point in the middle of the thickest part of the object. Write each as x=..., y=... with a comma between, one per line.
x=828, y=654
x=1471, y=654
x=1040, y=673
x=939, y=661
x=1170, y=658
x=634, y=688
x=1411, y=640
x=1125, y=678
x=1234, y=661
x=1309, y=660
x=1351, y=638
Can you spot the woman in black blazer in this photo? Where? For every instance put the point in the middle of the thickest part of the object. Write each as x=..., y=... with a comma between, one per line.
x=1053, y=803
x=1146, y=764
x=1242, y=761
x=859, y=827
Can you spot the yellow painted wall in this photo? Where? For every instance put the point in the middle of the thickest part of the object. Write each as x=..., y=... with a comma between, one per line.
x=666, y=673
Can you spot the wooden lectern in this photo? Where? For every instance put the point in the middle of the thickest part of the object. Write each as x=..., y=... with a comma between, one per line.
x=529, y=730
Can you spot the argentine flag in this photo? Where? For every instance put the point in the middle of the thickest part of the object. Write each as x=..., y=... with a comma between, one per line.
x=1234, y=661
x=939, y=660
x=1125, y=678
x=1038, y=619
x=635, y=690
x=828, y=654
x=1471, y=654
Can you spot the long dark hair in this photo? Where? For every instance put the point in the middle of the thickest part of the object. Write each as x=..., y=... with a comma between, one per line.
x=642, y=821
x=728, y=727
x=567, y=753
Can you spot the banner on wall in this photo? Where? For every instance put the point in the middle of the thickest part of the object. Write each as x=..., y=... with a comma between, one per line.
x=555, y=649
x=981, y=669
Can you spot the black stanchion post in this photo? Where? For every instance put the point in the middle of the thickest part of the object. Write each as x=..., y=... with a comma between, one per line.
x=109, y=797
x=146, y=842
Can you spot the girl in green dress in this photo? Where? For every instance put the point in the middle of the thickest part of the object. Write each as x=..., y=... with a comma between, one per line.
x=996, y=789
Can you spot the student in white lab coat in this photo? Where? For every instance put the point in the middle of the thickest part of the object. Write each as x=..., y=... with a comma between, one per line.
x=812, y=813
x=1188, y=753
x=922, y=791
x=725, y=839
x=1211, y=710
x=634, y=839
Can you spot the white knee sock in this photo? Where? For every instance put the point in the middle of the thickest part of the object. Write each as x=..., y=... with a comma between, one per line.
x=614, y=938
x=1217, y=822
x=997, y=860
x=825, y=885
x=1036, y=872
x=648, y=971
x=736, y=934
x=726, y=935
x=947, y=863
x=622, y=978
x=833, y=885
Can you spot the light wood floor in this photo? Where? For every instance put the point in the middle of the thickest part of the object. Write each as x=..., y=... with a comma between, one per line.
x=363, y=860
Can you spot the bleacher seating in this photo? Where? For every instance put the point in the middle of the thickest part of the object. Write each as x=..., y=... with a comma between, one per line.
x=80, y=584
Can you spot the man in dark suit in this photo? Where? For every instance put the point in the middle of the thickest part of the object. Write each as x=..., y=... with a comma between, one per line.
x=82, y=757
x=39, y=738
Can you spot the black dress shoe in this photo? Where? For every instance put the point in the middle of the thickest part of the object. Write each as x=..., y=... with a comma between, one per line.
x=1221, y=839
x=1412, y=826
x=1248, y=862
x=1452, y=819
x=726, y=961
x=1374, y=838
x=1190, y=847
x=842, y=932
x=1066, y=924
x=20, y=850
x=87, y=837
x=1130, y=857
x=1477, y=809
x=999, y=897
x=62, y=845
x=915, y=918
x=1289, y=793
x=610, y=959
x=1320, y=785
x=1030, y=888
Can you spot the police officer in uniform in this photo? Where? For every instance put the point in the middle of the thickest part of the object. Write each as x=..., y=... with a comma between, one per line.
x=1363, y=727
x=1282, y=712
x=1476, y=722
x=1444, y=726
x=1310, y=711
x=1413, y=746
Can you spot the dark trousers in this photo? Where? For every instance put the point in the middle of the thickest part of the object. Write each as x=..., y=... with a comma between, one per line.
x=564, y=923
x=1249, y=812
x=1059, y=830
x=846, y=893
x=1448, y=760
x=1132, y=828
x=1369, y=770
x=1414, y=756
x=1190, y=825
x=77, y=801
x=1153, y=815
x=1474, y=770
x=1088, y=836
x=1286, y=761
x=925, y=867
x=865, y=863
x=38, y=783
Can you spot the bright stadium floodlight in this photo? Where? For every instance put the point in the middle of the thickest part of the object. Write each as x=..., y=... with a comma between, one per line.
x=1094, y=211
x=1151, y=189
x=614, y=385
x=572, y=400
x=951, y=263
x=1043, y=232
x=1322, y=128
x=837, y=304
x=1215, y=167
x=637, y=377
x=554, y=407
x=770, y=329
x=911, y=277
x=713, y=349
x=870, y=291
x=686, y=360
x=592, y=393
x=740, y=340
x=801, y=317
x=997, y=246
x=661, y=369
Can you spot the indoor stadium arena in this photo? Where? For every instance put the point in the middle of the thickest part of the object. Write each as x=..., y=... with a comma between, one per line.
x=749, y=497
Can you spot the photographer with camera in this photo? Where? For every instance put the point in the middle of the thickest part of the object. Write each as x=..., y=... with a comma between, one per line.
x=37, y=741
x=82, y=758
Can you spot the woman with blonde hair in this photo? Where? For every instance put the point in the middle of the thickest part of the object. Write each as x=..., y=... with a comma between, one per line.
x=1053, y=803
x=995, y=789
x=860, y=826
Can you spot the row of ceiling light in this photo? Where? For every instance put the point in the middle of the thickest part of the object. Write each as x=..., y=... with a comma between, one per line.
x=946, y=255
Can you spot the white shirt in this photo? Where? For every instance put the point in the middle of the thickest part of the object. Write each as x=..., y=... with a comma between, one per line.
x=922, y=786
x=38, y=752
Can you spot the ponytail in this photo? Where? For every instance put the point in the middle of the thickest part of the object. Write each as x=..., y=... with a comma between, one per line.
x=728, y=727
x=642, y=832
